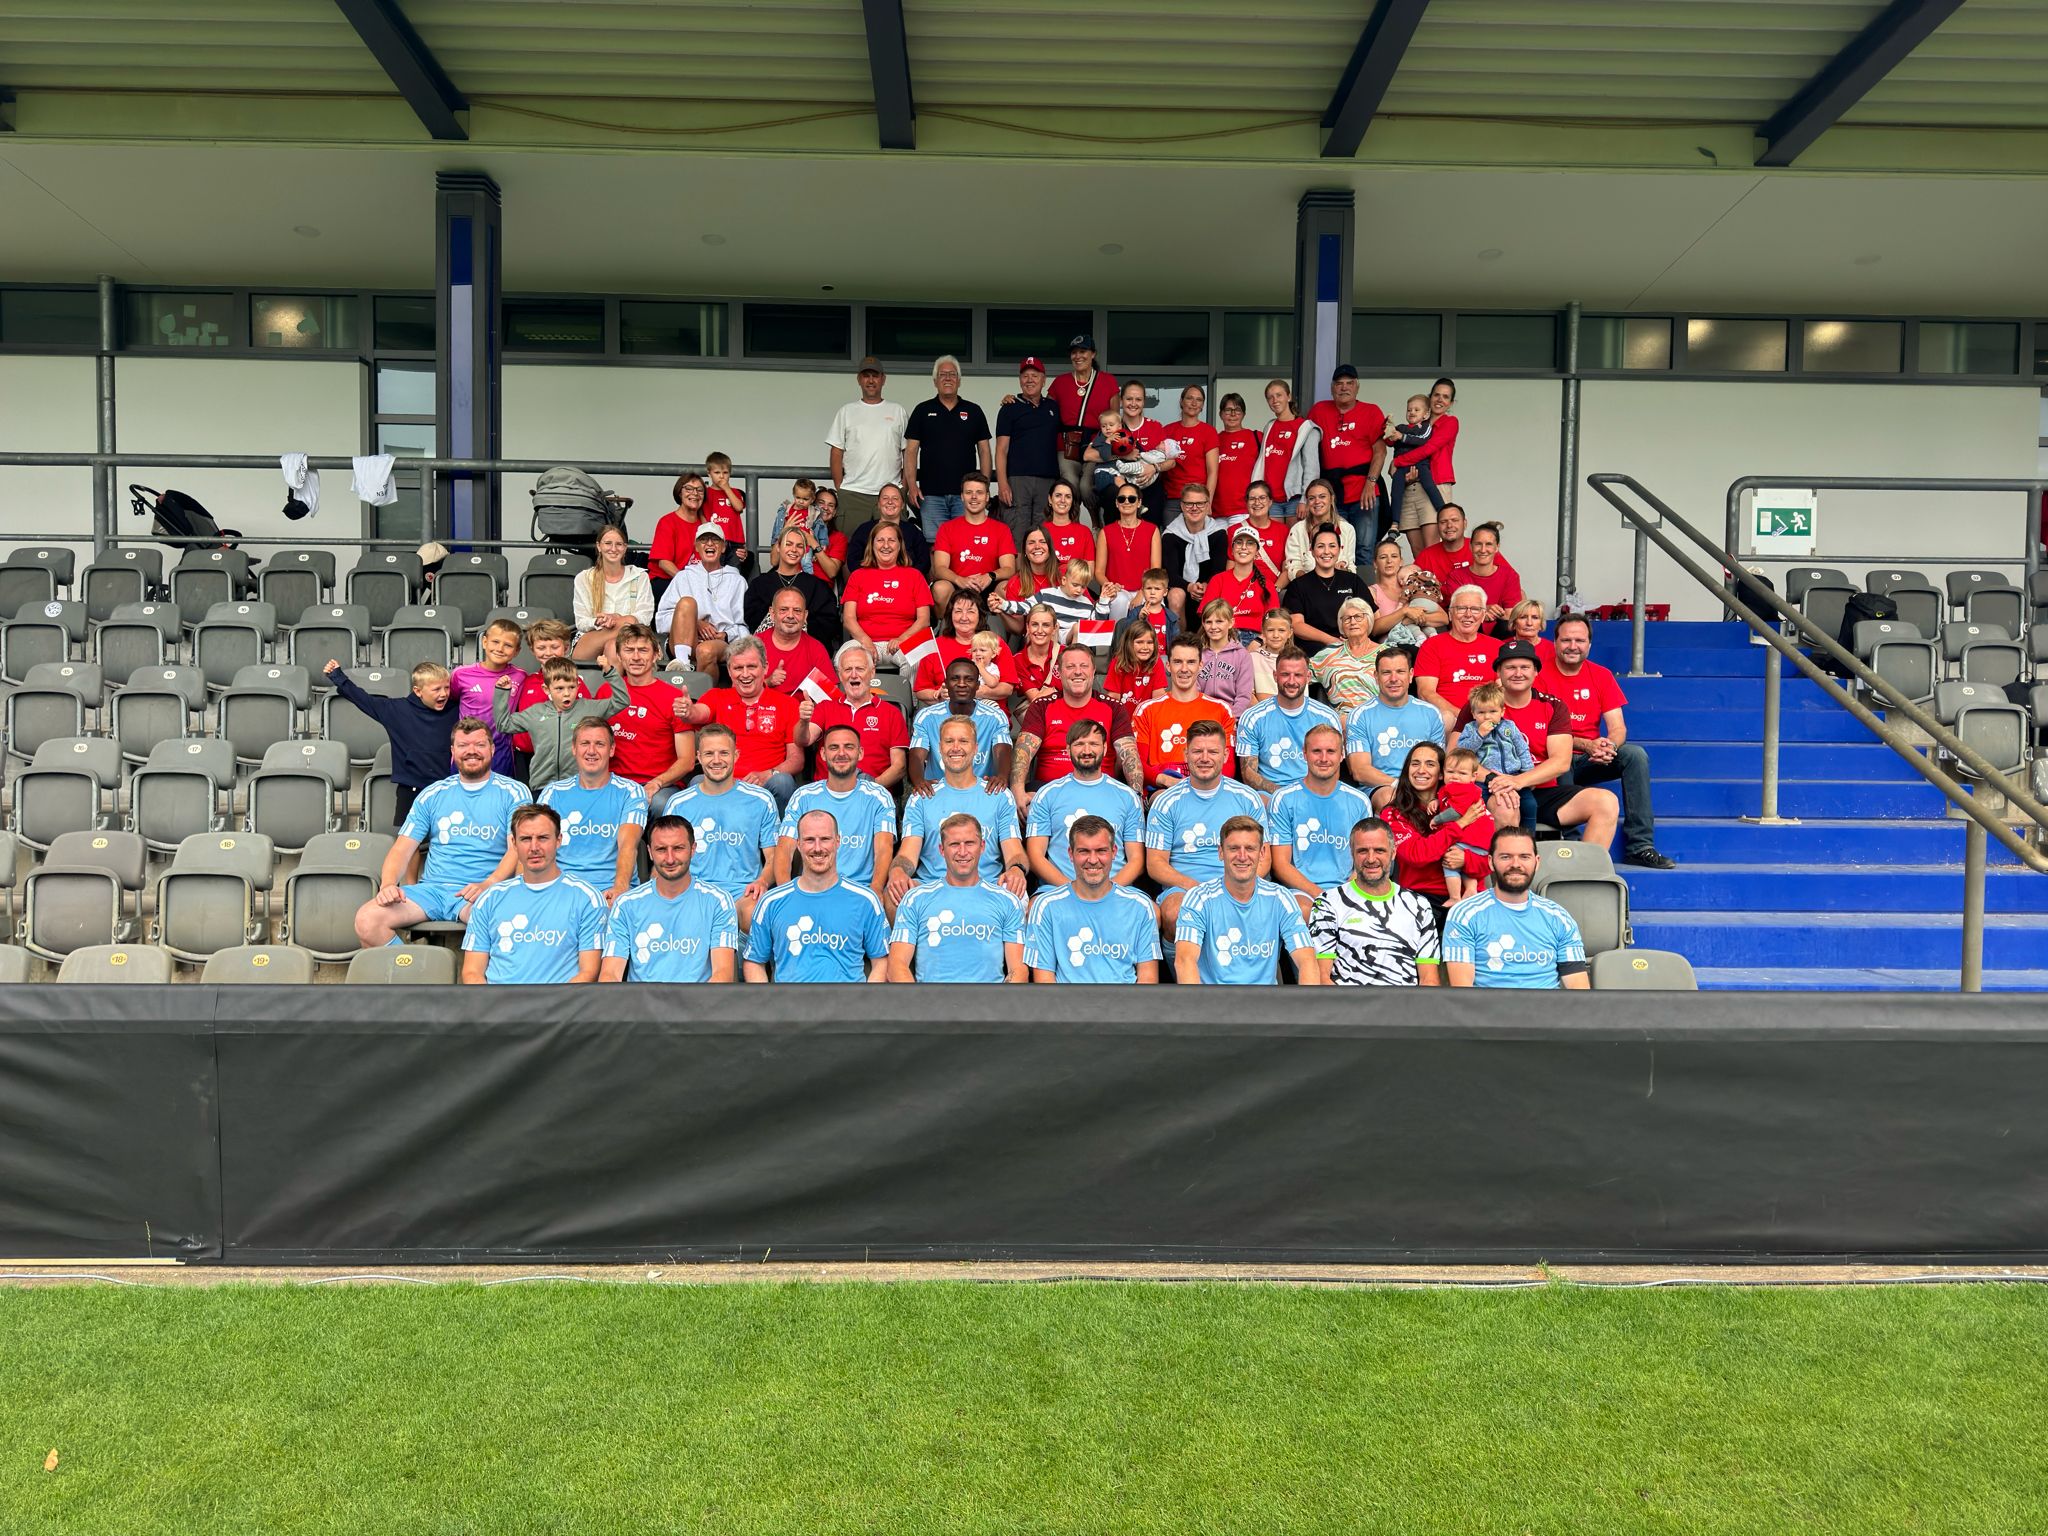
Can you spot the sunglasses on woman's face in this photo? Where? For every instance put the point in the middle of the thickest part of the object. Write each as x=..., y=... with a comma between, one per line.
x=1127, y=501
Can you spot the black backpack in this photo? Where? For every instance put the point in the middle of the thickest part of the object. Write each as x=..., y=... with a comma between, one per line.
x=1864, y=605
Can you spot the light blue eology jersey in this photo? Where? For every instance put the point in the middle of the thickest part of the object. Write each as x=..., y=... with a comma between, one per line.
x=1274, y=737
x=923, y=815
x=670, y=938
x=1188, y=825
x=591, y=822
x=823, y=935
x=735, y=832
x=959, y=930
x=1512, y=946
x=1241, y=941
x=991, y=730
x=535, y=934
x=1316, y=829
x=466, y=828
x=863, y=812
x=1058, y=805
x=1387, y=731
x=1098, y=941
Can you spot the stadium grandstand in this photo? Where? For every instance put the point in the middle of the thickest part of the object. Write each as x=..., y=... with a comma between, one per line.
x=1461, y=498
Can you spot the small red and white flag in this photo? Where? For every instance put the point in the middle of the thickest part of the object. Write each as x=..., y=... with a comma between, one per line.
x=913, y=645
x=815, y=686
x=1096, y=634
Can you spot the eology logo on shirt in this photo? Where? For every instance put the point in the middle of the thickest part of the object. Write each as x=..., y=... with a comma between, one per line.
x=709, y=831
x=1082, y=943
x=573, y=825
x=514, y=930
x=804, y=933
x=652, y=940
x=945, y=925
x=455, y=825
x=1501, y=953
x=1230, y=945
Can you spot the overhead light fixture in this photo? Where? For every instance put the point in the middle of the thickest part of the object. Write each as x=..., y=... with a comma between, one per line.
x=1111, y=249
x=712, y=239
x=1492, y=253
x=307, y=230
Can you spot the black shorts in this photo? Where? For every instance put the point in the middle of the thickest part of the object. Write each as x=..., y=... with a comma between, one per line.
x=1549, y=800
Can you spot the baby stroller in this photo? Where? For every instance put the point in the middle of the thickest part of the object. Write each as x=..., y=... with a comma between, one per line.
x=570, y=509
x=181, y=522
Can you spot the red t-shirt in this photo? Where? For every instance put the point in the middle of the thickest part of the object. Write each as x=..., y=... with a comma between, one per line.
x=888, y=599
x=529, y=693
x=1031, y=674
x=1541, y=718
x=1457, y=666
x=1349, y=438
x=1079, y=413
x=881, y=728
x=931, y=672
x=1249, y=597
x=1129, y=554
x=1070, y=541
x=1588, y=694
x=675, y=540
x=724, y=510
x=974, y=548
x=835, y=547
x=644, y=733
x=1050, y=720
x=764, y=729
x=1272, y=544
x=1193, y=464
x=1237, y=460
x=1132, y=690
x=788, y=668
x=1451, y=571
x=1280, y=438
x=1503, y=588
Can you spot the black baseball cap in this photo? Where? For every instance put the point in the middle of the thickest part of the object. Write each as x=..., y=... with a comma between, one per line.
x=1344, y=371
x=1516, y=650
x=1082, y=343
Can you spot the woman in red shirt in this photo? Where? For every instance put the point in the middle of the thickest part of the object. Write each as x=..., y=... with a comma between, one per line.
x=675, y=536
x=1148, y=435
x=1237, y=458
x=1198, y=448
x=1289, y=452
x=1128, y=548
x=1037, y=572
x=1136, y=674
x=1036, y=660
x=885, y=597
x=1243, y=585
x=1436, y=453
x=1494, y=576
x=1420, y=847
x=828, y=544
x=963, y=623
x=1070, y=537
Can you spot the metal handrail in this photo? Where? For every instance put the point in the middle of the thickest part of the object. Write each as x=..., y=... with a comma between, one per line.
x=1981, y=821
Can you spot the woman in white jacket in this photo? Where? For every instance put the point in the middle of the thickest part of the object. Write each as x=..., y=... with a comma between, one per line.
x=1290, y=451
x=1318, y=507
x=609, y=594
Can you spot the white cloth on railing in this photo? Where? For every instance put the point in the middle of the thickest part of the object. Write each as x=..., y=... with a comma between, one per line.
x=373, y=479
x=303, y=483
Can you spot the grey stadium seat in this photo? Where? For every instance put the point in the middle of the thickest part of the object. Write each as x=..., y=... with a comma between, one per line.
x=203, y=577
x=1986, y=720
x=473, y=583
x=83, y=678
x=523, y=616
x=1884, y=583
x=157, y=704
x=294, y=580
x=76, y=896
x=16, y=964
x=292, y=797
x=177, y=793
x=255, y=719
x=549, y=582
x=258, y=965
x=232, y=636
x=421, y=965
x=1642, y=970
x=1580, y=878
x=380, y=796
x=347, y=850
x=336, y=632
x=64, y=789
x=205, y=901
x=1922, y=607
x=341, y=721
x=1909, y=663
x=278, y=677
x=25, y=585
x=321, y=898
x=122, y=645
x=108, y=964
x=163, y=615
x=31, y=638
x=383, y=582
x=10, y=874
x=118, y=577
x=417, y=634
x=36, y=715
x=60, y=560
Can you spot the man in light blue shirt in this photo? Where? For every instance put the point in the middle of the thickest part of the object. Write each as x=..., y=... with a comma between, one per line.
x=1271, y=734
x=1185, y=827
x=1085, y=790
x=673, y=928
x=864, y=812
x=1379, y=734
x=1308, y=825
x=541, y=927
x=991, y=729
x=960, y=928
x=1506, y=937
x=960, y=792
x=602, y=814
x=1092, y=929
x=1233, y=930
x=818, y=927
x=465, y=823
x=734, y=821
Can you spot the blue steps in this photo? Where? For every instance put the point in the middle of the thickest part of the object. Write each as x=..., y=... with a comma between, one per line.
x=1739, y=724
x=1874, y=888
x=1867, y=761
x=1909, y=940
x=1875, y=979
x=1726, y=798
x=1833, y=842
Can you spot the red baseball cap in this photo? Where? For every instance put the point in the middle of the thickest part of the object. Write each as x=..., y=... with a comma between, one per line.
x=1028, y=364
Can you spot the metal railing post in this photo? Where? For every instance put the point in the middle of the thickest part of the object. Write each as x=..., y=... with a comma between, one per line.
x=1638, y=618
x=1774, y=687
x=1973, y=907
x=103, y=501
x=1568, y=462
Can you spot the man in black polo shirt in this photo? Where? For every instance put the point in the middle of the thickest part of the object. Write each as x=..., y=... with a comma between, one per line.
x=1027, y=451
x=787, y=572
x=947, y=437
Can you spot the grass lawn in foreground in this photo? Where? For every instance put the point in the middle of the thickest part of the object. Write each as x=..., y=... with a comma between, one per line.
x=951, y=1408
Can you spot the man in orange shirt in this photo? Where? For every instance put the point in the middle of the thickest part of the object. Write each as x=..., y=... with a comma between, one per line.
x=762, y=720
x=1162, y=724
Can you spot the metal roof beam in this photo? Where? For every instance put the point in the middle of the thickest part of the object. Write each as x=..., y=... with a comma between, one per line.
x=1849, y=76
x=1368, y=75
x=412, y=68
x=889, y=63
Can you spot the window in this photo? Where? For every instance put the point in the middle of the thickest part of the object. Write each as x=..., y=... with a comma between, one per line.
x=406, y=439
x=405, y=389
x=2040, y=344
x=1014, y=334
x=1624, y=341
x=554, y=325
x=50, y=317
x=180, y=319
x=1258, y=340
x=1852, y=346
x=672, y=330
x=303, y=322
x=799, y=330
x=1735, y=346
x=1969, y=346
x=1507, y=341
x=922, y=334
x=1159, y=338
x=1394, y=341
x=405, y=322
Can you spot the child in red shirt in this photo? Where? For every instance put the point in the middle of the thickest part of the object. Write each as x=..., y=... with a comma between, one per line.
x=1459, y=792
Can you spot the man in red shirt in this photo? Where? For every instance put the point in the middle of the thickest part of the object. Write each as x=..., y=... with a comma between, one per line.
x=1601, y=750
x=1042, y=739
x=1353, y=448
x=762, y=720
x=791, y=652
x=1081, y=396
x=884, y=736
x=1449, y=560
x=1538, y=795
x=1451, y=664
x=1161, y=725
x=973, y=552
x=653, y=742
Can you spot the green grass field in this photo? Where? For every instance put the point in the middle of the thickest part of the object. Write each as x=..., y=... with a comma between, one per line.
x=1008, y=1408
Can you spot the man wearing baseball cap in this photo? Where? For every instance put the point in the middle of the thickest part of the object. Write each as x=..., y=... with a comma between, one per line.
x=1080, y=397
x=1027, y=451
x=867, y=448
x=1544, y=721
x=1353, y=452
